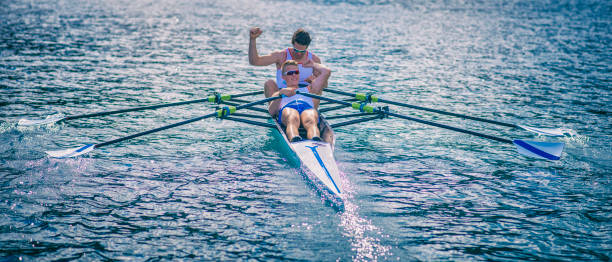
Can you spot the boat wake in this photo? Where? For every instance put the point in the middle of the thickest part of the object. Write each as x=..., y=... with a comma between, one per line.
x=365, y=238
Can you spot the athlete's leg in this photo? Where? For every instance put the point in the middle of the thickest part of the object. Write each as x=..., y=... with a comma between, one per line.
x=309, y=118
x=291, y=119
x=269, y=89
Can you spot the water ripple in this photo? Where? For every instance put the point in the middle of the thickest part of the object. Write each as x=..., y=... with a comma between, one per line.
x=215, y=190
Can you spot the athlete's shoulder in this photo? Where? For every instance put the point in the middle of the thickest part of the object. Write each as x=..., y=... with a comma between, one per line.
x=315, y=58
x=279, y=56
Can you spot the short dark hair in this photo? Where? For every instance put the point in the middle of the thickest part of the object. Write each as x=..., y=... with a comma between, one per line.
x=301, y=37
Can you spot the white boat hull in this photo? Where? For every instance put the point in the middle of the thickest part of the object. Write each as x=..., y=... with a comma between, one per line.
x=317, y=157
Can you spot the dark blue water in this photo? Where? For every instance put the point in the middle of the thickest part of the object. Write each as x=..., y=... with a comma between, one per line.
x=220, y=190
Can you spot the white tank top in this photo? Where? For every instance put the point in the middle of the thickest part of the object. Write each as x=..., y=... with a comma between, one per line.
x=297, y=98
x=305, y=72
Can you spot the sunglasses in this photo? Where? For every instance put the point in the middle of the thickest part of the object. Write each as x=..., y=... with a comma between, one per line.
x=294, y=72
x=298, y=50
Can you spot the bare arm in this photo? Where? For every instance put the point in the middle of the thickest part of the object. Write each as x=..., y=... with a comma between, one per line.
x=320, y=82
x=254, y=58
x=316, y=59
x=275, y=104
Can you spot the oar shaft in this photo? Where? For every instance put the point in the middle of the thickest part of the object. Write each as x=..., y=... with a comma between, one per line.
x=447, y=113
x=339, y=92
x=258, y=109
x=355, y=121
x=248, y=94
x=135, y=109
x=181, y=123
x=154, y=130
x=119, y=111
x=461, y=130
x=259, y=102
x=503, y=140
x=430, y=110
x=347, y=115
x=326, y=98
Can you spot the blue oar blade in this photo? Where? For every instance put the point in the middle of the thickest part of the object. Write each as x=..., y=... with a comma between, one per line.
x=48, y=120
x=544, y=131
x=71, y=152
x=542, y=150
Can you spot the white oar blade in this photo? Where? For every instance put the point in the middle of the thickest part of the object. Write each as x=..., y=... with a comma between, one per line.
x=544, y=131
x=48, y=120
x=542, y=150
x=71, y=152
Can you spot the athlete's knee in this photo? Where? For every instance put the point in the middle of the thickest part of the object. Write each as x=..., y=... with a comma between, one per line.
x=294, y=118
x=273, y=108
x=291, y=116
x=308, y=121
x=270, y=83
x=270, y=87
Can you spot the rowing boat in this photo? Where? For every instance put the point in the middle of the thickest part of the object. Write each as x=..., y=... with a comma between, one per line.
x=317, y=157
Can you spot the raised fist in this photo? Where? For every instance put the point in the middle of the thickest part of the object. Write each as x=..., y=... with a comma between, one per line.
x=255, y=32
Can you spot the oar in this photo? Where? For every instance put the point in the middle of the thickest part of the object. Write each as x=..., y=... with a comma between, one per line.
x=60, y=117
x=72, y=152
x=543, y=150
x=372, y=98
